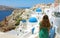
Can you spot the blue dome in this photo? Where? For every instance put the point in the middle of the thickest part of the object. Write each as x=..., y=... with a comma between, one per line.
x=38, y=10
x=33, y=19
x=23, y=20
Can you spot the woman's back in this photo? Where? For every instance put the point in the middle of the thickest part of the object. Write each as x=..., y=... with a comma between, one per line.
x=43, y=33
x=44, y=27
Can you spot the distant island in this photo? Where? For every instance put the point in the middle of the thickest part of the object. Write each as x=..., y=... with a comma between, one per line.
x=2, y=7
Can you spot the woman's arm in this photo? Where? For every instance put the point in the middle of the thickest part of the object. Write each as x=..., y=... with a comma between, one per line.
x=49, y=29
x=40, y=26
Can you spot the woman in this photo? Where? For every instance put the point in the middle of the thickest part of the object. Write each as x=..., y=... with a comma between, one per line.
x=44, y=27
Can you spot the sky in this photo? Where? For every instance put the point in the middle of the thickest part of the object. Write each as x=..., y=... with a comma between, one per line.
x=23, y=3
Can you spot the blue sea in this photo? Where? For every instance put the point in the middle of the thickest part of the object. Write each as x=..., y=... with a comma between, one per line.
x=4, y=13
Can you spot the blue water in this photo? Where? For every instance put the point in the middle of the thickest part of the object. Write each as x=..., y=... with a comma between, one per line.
x=4, y=13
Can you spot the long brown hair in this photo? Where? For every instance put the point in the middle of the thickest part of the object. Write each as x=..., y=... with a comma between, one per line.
x=45, y=22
